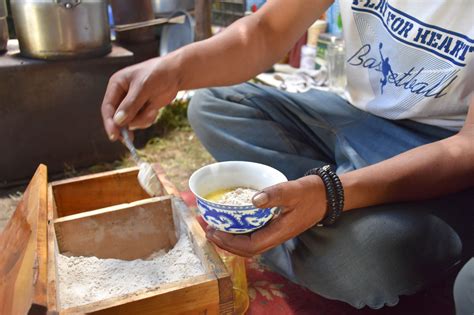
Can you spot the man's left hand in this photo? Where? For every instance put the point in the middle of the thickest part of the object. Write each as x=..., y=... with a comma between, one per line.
x=302, y=203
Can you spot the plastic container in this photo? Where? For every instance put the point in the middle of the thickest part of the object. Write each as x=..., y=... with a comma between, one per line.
x=254, y=3
x=308, y=57
x=315, y=30
x=336, y=65
x=333, y=17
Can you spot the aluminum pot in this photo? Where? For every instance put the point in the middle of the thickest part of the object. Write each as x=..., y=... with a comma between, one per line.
x=3, y=26
x=169, y=6
x=61, y=29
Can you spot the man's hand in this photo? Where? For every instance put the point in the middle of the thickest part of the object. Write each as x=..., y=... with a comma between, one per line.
x=135, y=94
x=303, y=204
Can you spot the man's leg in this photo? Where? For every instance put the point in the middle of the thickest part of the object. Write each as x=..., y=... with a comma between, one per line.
x=295, y=132
x=248, y=122
x=372, y=256
x=464, y=290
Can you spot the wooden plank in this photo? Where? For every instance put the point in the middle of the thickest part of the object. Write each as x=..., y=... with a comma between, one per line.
x=169, y=187
x=199, y=295
x=97, y=191
x=208, y=256
x=116, y=232
x=41, y=296
x=203, y=19
x=16, y=292
x=52, y=250
x=23, y=267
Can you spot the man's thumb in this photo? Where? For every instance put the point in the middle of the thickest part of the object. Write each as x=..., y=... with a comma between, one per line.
x=271, y=196
x=260, y=199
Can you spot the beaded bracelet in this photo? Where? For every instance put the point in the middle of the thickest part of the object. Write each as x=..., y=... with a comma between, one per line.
x=334, y=193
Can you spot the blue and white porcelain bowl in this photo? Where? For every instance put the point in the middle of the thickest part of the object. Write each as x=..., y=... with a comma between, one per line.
x=232, y=174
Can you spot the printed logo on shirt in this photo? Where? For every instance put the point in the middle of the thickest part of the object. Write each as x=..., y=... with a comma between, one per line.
x=408, y=60
x=449, y=45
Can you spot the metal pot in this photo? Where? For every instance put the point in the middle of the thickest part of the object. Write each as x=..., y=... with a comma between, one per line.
x=125, y=12
x=3, y=26
x=61, y=29
x=168, y=6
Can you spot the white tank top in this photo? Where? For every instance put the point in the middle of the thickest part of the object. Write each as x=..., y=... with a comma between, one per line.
x=410, y=59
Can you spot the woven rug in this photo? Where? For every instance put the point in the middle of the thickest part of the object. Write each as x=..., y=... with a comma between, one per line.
x=272, y=294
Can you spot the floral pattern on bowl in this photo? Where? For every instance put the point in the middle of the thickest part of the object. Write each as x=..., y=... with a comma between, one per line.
x=234, y=219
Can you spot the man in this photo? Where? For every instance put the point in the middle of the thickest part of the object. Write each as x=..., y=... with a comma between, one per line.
x=402, y=136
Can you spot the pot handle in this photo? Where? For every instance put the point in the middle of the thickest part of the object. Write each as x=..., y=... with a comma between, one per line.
x=68, y=4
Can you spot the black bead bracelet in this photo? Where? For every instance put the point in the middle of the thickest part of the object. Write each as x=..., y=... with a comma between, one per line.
x=334, y=193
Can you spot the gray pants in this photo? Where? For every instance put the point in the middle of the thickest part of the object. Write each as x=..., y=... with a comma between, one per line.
x=464, y=290
x=370, y=256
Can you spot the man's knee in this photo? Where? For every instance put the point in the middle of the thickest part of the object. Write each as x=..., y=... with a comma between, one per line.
x=370, y=258
x=199, y=104
x=215, y=103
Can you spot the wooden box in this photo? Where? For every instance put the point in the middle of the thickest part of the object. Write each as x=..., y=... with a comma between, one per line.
x=66, y=217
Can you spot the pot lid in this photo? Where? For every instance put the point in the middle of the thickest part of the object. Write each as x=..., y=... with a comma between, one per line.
x=23, y=248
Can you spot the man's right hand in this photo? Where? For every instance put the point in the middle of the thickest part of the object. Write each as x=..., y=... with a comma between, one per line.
x=135, y=94
x=246, y=48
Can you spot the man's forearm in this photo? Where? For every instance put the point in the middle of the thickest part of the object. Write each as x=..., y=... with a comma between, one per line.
x=247, y=47
x=228, y=58
x=428, y=171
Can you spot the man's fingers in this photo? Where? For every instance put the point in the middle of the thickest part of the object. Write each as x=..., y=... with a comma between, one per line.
x=112, y=131
x=144, y=118
x=274, y=233
x=107, y=116
x=224, y=241
x=130, y=105
x=116, y=90
x=279, y=195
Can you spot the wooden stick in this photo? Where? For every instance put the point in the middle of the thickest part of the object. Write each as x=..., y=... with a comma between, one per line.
x=128, y=231
x=208, y=255
x=97, y=191
x=131, y=26
x=203, y=19
x=198, y=295
x=23, y=258
x=52, y=251
x=92, y=213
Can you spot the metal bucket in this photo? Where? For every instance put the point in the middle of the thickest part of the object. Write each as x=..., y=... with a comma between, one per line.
x=61, y=29
x=169, y=6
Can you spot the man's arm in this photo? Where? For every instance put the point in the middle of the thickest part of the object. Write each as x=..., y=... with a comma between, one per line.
x=428, y=171
x=252, y=44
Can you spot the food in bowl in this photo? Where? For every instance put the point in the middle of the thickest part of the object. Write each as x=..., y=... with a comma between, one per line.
x=223, y=177
x=240, y=196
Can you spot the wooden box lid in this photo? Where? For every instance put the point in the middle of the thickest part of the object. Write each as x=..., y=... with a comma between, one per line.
x=23, y=244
